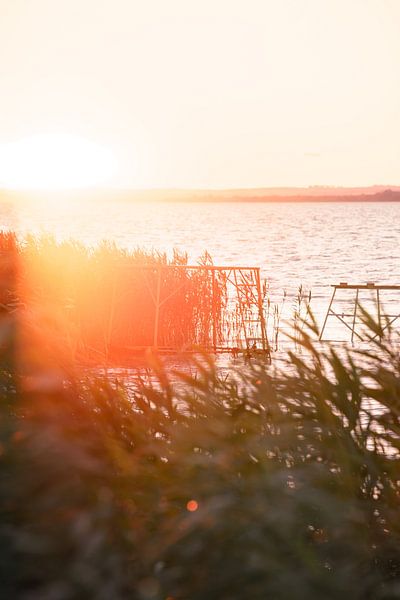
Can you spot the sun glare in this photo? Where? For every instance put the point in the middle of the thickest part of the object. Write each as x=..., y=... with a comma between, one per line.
x=55, y=161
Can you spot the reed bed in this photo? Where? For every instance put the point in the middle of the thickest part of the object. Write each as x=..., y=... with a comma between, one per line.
x=263, y=485
x=100, y=303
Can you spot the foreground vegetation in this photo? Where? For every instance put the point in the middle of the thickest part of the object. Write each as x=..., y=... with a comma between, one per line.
x=262, y=485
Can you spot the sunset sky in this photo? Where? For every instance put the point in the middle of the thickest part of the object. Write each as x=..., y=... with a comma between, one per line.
x=203, y=93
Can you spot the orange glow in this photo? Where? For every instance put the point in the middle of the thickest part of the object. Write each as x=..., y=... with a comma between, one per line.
x=78, y=303
x=192, y=506
x=18, y=436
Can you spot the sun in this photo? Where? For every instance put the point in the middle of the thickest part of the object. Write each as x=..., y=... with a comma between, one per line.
x=55, y=161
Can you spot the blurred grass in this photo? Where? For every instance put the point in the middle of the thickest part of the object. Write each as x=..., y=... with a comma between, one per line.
x=281, y=485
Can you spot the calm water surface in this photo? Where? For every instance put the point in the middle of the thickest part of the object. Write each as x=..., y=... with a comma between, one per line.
x=309, y=243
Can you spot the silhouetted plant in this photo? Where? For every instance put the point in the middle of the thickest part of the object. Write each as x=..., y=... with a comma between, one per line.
x=264, y=484
x=277, y=314
x=300, y=310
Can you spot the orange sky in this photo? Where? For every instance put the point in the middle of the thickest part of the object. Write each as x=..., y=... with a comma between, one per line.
x=210, y=93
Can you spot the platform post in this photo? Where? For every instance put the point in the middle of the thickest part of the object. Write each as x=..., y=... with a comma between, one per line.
x=354, y=317
x=214, y=313
x=157, y=308
x=379, y=313
x=327, y=314
x=264, y=336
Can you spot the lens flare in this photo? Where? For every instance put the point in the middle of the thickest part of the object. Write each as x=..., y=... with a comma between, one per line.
x=192, y=506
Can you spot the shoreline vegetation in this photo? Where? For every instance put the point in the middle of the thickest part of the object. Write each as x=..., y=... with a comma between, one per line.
x=105, y=304
x=262, y=482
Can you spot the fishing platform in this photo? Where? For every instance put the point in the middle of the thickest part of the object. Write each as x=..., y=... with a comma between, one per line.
x=357, y=292
x=230, y=318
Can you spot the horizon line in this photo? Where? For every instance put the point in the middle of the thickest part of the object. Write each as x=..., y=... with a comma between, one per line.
x=105, y=189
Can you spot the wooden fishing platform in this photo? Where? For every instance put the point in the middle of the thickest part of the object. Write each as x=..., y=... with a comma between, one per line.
x=358, y=290
x=243, y=322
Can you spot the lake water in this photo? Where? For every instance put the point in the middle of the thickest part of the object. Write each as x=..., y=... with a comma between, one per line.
x=313, y=244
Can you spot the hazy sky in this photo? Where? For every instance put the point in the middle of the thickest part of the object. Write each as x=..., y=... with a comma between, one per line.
x=211, y=93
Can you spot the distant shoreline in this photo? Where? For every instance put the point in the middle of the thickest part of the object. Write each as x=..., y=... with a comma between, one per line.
x=380, y=197
x=316, y=199
x=267, y=195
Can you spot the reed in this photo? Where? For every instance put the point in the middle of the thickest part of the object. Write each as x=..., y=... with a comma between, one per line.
x=260, y=484
x=99, y=303
x=300, y=310
x=277, y=315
